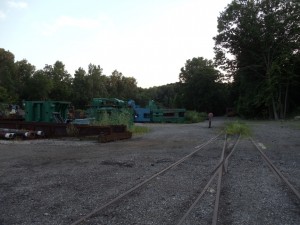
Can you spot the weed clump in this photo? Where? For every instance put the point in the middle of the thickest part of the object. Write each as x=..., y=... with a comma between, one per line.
x=194, y=117
x=237, y=127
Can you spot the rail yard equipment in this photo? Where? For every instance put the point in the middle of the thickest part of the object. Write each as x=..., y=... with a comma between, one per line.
x=46, y=111
x=51, y=130
x=140, y=114
x=109, y=107
x=49, y=119
x=21, y=133
x=7, y=135
x=153, y=113
x=105, y=104
x=11, y=112
x=113, y=133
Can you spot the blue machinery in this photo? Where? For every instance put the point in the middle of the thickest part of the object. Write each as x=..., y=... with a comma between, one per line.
x=152, y=113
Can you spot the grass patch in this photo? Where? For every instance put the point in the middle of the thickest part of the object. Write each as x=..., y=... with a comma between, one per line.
x=195, y=117
x=139, y=129
x=237, y=127
x=124, y=117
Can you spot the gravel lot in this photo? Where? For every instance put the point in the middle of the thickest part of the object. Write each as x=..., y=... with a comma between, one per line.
x=59, y=181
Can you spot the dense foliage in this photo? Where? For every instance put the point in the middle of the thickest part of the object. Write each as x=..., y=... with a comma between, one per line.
x=201, y=88
x=258, y=45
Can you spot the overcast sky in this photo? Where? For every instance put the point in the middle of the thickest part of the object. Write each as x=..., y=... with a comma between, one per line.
x=149, y=40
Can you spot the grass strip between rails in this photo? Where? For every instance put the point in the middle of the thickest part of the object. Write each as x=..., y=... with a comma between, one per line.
x=237, y=127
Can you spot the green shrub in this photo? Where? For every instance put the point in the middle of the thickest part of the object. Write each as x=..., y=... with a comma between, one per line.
x=121, y=117
x=195, y=117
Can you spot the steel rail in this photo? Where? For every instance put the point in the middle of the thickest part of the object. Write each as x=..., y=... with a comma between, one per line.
x=198, y=148
x=198, y=198
x=204, y=189
x=276, y=171
x=216, y=208
x=214, y=173
x=229, y=155
x=225, y=161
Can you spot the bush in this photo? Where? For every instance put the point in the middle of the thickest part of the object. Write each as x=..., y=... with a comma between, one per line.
x=122, y=117
x=195, y=117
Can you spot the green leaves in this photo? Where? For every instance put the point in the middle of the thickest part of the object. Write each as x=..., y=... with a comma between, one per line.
x=201, y=91
x=256, y=39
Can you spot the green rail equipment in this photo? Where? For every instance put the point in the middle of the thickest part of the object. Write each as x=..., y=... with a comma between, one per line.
x=46, y=111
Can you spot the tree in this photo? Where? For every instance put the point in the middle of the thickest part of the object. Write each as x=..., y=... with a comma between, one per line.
x=256, y=41
x=129, y=87
x=24, y=71
x=143, y=96
x=115, y=84
x=121, y=87
x=39, y=86
x=7, y=73
x=294, y=100
x=166, y=96
x=61, y=80
x=96, y=82
x=80, y=88
x=4, y=96
x=200, y=87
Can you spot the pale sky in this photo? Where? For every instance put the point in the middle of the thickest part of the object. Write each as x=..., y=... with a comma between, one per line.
x=149, y=40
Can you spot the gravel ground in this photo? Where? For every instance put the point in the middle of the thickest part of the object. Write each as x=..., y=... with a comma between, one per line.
x=59, y=181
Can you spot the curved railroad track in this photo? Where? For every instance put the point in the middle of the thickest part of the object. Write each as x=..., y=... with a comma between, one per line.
x=127, y=193
x=212, y=177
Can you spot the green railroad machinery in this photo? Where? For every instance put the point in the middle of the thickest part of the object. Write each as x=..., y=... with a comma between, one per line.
x=100, y=109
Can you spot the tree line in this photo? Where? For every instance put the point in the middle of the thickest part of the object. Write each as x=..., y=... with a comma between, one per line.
x=256, y=70
x=21, y=81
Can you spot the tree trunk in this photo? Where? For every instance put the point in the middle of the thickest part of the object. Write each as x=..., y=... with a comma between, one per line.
x=274, y=109
x=270, y=112
x=280, y=108
x=286, y=100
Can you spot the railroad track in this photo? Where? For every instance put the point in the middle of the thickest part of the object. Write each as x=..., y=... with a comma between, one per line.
x=213, y=176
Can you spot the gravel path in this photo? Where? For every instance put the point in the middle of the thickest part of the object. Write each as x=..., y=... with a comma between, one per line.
x=59, y=181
